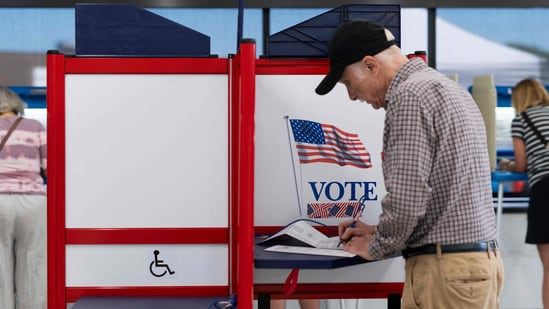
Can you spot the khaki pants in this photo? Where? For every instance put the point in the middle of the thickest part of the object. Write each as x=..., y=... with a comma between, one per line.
x=22, y=251
x=453, y=280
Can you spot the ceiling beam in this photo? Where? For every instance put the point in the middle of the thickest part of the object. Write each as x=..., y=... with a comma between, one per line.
x=286, y=3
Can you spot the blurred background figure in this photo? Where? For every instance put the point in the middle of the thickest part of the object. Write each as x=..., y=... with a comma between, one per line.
x=22, y=207
x=530, y=132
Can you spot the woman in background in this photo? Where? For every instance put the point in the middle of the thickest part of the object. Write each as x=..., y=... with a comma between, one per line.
x=530, y=132
x=22, y=207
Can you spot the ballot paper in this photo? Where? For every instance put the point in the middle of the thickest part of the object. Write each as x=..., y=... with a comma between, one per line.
x=300, y=237
x=309, y=250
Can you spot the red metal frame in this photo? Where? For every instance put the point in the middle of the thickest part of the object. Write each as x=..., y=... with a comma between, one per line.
x=73, y=294
x=245, y=189
x=234, y=95
x=56, y=179
x=332, y=290
x=291, y=66
x=76, y=236
x=58, y=65
x=91, y=65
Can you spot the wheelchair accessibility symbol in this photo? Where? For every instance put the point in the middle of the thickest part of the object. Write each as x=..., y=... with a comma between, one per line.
x=158, y=268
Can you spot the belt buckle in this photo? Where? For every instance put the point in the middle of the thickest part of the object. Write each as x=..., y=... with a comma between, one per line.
x=405, y=254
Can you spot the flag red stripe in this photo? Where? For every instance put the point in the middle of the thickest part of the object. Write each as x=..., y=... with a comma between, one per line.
x=331, y=137
x=334, y=135
x=331, y=128
x=337, y=159
x=364, y=165
x=341, y=212
x=312, y=155
x=334, y=157
x=344, y=145
x=332, y=148
x=333, y=154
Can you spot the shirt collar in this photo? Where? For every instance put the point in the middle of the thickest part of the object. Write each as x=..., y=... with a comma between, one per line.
x=403, y=73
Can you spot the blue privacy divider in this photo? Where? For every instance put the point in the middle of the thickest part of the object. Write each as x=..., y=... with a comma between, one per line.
x=311, y=37
x=126, y=30
x=35, y=97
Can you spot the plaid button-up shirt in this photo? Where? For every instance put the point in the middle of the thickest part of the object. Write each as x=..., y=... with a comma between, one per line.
x=435, y=167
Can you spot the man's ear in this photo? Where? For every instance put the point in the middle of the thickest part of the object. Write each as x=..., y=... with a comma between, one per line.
x=370, y=63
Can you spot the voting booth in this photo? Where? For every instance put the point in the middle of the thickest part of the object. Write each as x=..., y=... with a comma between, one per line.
x=138, y=187
x=128, y=192
x=316, y=156
x=162, y=170
x=287, y=188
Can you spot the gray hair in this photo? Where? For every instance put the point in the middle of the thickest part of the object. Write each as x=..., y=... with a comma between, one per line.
x=392, y=50
x=11, y=102
x=389, y=35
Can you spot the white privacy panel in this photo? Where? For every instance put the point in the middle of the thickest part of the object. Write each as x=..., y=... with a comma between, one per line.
x=133, y=265
x=146, y=150
x=283, y=185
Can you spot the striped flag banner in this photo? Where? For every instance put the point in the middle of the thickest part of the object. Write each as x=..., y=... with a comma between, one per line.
x=326, y=143
x=329, y=210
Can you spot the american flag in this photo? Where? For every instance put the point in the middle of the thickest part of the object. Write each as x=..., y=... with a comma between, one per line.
x=326, y=143
x=327, y=210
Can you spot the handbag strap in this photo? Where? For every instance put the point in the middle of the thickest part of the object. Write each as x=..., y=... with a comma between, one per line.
x=536, y=131
x=10, y=131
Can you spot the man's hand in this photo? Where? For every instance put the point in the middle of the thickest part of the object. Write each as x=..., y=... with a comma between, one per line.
x=357, y=239
x=360, y=245
x=506, y=165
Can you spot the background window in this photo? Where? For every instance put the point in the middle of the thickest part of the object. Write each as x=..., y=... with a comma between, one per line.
x=220, y=25
x=511, y=44
x=26, y=36
x=28, y=33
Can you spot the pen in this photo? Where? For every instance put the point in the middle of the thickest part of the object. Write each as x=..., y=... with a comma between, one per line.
x=361, y=202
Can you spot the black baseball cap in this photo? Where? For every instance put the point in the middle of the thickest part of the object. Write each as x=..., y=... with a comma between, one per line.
x=353, y=40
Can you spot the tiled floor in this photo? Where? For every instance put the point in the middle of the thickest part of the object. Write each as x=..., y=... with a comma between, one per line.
x=523, y=272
